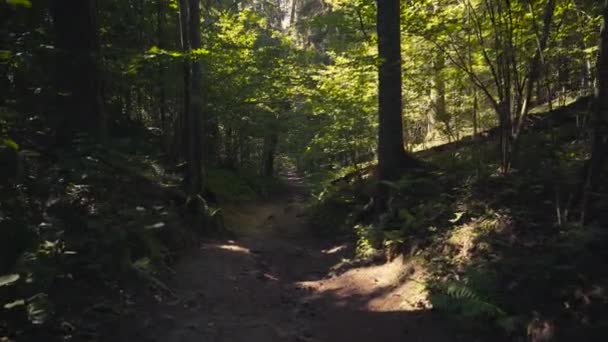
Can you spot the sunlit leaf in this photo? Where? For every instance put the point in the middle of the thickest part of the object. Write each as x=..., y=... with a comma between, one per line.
x=12, y=305
x=10, y=279
x=38, y=309
x=24, y=3
x=158, y=225
x=5, y=54
x=143, y=263
x=457, y=217
x=10, y=144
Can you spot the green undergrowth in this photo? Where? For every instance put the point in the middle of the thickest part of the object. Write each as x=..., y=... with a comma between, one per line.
x=241, y=186
x=334, y=210
x=504, y=252
x=82, y=222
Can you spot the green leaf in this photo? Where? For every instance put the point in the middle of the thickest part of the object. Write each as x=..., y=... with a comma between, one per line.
x=24, y=3
x=38, y=309
x=143, y=264
x=12, y=305
x=10, y=144
x=9, y=279
x=5, y=54
x=457, y=218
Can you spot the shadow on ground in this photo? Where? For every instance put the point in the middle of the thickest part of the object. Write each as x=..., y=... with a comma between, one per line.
x=274, y=283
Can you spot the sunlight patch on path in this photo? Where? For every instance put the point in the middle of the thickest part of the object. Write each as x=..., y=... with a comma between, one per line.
x=395, y=286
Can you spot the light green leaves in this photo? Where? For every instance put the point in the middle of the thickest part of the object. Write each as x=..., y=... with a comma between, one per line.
x=24, y=3
x=457, y=217
x=155, y=51
x=14, y=304
x=37, y=307
x=10, y=144
x=5, y=55
x=9, y=279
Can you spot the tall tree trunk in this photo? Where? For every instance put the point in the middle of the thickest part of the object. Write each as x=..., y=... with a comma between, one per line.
x=599, y=123
x=182, y=134
x=211, y=141
x=438, y=94
x=292, y=16
x=589, y=81
x=196, y=119
x=392, y=158
x=269, y=153
x=79, y=106
x=162, y=101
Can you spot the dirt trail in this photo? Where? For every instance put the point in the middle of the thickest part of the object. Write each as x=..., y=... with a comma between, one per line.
x=274, y=283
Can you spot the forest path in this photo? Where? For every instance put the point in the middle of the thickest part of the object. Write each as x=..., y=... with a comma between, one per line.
x=274, y=283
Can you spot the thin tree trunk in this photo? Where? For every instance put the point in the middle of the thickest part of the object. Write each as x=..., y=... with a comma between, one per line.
x=196, y=118
x=182, y=132
x=475, y=115
x=535, y=66
x=162, y=101
x=549, y=94
x=438, y=94
x=292, y=16
x=268, y=157
x=589, y=77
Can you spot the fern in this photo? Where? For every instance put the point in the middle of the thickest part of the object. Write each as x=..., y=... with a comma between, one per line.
x=460, y=299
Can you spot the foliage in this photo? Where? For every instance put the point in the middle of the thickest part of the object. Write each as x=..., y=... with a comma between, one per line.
x=231, y=186
x=459, y=299
x=91, y=187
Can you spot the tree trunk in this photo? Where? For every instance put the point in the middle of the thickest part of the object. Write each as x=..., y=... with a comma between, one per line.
x=589, y=81
x=268, y=157
x=475, y=116
x=195, y=122
x=183, y=148
x=506, y=146
x=292, y=16
x=162, y=101
x=212, y=141
x=392, y=158
x=535, y=66
x=438, y=94
x=599, y=124
x=79, y=107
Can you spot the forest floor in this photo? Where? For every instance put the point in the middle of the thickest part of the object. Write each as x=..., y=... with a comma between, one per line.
x=275, y=282
x=103, y=250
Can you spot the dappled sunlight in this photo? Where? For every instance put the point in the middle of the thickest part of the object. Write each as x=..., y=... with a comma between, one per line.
x=303, y=170
x=398, y=285
x=466, y=241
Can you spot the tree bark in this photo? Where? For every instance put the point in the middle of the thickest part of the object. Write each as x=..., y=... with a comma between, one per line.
x=438, y=94
x=196, y=119
x=79, y=107
x=162, y=101
x=599, y=124
x=292, y=16
x=269, y=153
x=182, y=131
x=535, y=66
x=392, y=158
